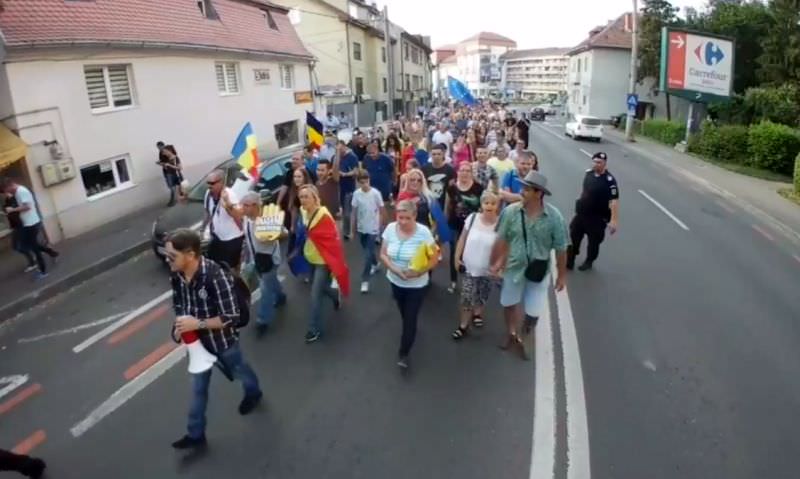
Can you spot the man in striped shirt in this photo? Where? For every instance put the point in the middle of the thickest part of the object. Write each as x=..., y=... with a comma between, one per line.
x=204, y=301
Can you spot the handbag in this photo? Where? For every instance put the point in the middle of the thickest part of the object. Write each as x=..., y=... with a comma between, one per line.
x=536, y=270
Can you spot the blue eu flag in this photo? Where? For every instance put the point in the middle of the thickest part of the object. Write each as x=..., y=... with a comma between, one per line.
x=460, y=92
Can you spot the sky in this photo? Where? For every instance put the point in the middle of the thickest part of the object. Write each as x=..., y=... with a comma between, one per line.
x=531, y=23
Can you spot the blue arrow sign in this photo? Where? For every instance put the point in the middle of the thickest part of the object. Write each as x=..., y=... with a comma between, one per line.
x=633, y=100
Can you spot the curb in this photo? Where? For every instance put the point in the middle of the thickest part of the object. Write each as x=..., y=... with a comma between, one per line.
x=11, y=310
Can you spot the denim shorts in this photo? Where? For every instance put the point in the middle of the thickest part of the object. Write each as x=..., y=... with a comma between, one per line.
x=532, y=295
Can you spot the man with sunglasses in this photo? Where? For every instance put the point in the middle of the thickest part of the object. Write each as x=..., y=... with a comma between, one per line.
x=224, y=219
x=597, y=208
x=204, y=300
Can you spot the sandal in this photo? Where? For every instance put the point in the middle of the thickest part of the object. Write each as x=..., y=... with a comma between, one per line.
x=460, y=333
x=477, y=321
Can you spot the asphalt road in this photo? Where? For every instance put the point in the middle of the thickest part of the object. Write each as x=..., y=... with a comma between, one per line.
x=687, y=345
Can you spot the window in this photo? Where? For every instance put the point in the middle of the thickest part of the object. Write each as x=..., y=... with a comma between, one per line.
x=287, y=77
x=579, y=65
x=385, y=85
x=109, y=87
x=586, y=65
x=405, y=48
x=415, y=80
x=286, y=134
x=356, y=51
x=408, y=81
x=270, y=21
x=359, y=86
x=584, y=100
x=415, y=55
x=271, y=177
x=105, y=176
x=227, y=78
x=383, y=54
x=207, y=9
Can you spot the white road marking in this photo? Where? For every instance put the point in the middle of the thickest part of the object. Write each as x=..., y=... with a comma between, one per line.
x=586, y=153
x=763, y=233
x=75, y=329
x=128, y=391
x=550, y=132
x=11, y=383
x=544, y=406
x=578, y=458
x=108, y=330
x=665, y=211
x=649, y=365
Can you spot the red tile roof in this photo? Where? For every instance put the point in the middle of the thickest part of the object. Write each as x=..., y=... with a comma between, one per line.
x=242, y=25
x=489, y=37
x=613, y=35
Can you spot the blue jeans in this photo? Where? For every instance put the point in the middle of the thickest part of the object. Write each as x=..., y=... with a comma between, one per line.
x=320, y=286
x=368, y=245
x=232, y=359
x=271, y=292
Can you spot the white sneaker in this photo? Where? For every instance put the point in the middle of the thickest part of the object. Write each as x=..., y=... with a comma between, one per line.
x=334, y=284
x=31, y=268
x=374, y=269
x=364, y=287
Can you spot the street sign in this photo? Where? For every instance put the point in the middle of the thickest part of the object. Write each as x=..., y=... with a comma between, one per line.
x=696, y=66
x=633, y=102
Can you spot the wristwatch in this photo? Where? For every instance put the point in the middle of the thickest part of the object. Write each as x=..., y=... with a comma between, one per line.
x=202, y=325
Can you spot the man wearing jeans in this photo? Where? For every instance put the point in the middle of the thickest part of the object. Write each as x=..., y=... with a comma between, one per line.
x=527, y=232
x=369, y=215
x=204, y=300
x=348, y=169
x=31, y=223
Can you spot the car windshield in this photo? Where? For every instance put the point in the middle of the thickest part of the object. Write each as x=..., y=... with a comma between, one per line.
x=591, y=121
x=198, y=191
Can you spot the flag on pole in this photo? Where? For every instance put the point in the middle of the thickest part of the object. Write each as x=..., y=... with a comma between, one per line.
x=314, y=130
x=459, y=91
x=245, y=150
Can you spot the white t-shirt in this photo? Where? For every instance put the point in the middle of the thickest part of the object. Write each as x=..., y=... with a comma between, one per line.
x=446, y=138
x=402, y=251
x=25, y=197
x=368, y=210
x=478, y=248
x=222, y=224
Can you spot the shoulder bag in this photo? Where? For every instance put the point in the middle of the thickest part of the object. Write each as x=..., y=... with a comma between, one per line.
x=536, y=270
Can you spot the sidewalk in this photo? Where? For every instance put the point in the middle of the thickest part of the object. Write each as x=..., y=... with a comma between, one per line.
x=81, y=258
x=757, y=196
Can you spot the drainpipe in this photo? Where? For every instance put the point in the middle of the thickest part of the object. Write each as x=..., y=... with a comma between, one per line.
x=350, y=75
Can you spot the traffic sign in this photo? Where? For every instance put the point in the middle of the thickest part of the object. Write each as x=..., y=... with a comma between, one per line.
x=696, y=66
x=633, y=102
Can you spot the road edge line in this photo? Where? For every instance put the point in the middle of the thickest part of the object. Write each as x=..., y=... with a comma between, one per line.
x=543, y=447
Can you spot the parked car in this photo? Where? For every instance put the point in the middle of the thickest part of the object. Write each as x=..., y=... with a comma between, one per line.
x=190, y=212
x=584, y=126
x=538, y=114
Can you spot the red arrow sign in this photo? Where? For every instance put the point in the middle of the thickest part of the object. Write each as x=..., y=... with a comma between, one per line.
x=676, y=67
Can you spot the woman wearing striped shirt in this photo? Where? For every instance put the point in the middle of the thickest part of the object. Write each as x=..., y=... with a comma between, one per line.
x=402, y=242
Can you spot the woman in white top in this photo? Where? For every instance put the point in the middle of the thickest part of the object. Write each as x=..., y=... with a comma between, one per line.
x=402, y=242
x=264, y=257
x=473, y=253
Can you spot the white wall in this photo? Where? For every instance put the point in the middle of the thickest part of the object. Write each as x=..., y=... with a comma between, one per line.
x=176, y=100
x=604, y=84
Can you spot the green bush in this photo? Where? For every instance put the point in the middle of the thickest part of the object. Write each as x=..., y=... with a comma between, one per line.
x=797, y=174
x=668, y=132
x=776, y=104
x=725, y=143
x=773, y=147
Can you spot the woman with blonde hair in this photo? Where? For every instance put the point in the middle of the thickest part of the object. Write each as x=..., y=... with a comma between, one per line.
x=415, y=189
x=323, y=251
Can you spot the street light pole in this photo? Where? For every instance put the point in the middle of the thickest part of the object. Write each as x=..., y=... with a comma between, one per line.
x=634, y=72
x=387, y=31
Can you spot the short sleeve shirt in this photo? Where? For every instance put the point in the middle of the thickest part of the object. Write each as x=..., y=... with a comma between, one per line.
x=598, y=191
x=484, y=174
x=368, y=210
x=511, y=182
x=348, y=163
x=402, y=250
x=438, y=179
x=24, y=197
x=223, y=225
x=545, y=233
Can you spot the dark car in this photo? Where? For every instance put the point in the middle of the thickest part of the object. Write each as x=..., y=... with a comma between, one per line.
x=537, y=114
x=189, y=213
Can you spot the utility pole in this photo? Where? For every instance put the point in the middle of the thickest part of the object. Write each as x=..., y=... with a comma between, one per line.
x=634, y=72
x=387, y=34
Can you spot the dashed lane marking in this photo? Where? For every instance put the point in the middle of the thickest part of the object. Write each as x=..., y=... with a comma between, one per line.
x=30, y=443
x=12, y=382
x=140, y=323
x=586, y=153
x=73, y=330
x=146, y=362
x=763, y=233
x=552, y=133
x=19, y=398
x=665, y=211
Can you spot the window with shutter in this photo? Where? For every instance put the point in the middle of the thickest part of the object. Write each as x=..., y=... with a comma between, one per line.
x=96, y=85
x=231, y=78
x=227, y=75
x=287, y=77
x=109, y=87
x=220, y=69
x=120, y=88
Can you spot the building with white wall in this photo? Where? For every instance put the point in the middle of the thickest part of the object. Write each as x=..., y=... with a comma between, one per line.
x=475, y=62
x=539, y=73
x=96, y=99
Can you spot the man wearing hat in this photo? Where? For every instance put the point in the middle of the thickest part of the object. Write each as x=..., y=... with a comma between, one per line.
x=528, y=231
x=597, y=207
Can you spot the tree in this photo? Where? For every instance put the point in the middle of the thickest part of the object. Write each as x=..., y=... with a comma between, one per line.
x=655, y=15
x=780, y=58
x=748, y=22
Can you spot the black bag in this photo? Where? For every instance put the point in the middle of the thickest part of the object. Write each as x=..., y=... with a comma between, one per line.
x=263, y=261
x=536, y=269
x=242, y=294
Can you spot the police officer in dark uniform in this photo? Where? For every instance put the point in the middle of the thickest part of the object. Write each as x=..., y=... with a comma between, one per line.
x=594, y=210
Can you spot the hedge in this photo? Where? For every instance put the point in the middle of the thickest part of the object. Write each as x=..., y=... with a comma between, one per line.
x=728, y=143
x=797, y=174
x=668, y=132
x=773, y=147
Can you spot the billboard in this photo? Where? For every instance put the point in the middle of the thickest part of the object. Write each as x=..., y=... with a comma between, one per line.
x=696, y=66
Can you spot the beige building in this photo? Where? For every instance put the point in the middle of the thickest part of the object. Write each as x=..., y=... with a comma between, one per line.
x=539, y=73
x=477, y=62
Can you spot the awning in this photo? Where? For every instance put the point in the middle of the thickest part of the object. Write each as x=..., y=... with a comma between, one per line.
x=11, y=147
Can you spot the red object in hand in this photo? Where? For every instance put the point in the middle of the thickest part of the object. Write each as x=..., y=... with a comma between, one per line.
x=189, y=337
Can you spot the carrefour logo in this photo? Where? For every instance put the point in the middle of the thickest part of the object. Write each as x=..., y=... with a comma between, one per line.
x=709, y=53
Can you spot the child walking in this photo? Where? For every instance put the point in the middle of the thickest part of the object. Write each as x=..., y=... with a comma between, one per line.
x=368, y=218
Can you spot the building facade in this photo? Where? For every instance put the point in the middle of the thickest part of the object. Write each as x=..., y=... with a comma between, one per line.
x=475, y=62
x=535, y=74
x=94, y=101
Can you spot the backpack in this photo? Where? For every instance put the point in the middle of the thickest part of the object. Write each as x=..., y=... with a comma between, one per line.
x=242, y=293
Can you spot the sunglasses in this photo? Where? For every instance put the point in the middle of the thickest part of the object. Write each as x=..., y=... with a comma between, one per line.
x=212, y=183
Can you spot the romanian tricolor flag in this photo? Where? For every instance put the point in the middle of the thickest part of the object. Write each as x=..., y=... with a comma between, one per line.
x=245, y=150
x=323, y=234
x=314, y=130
